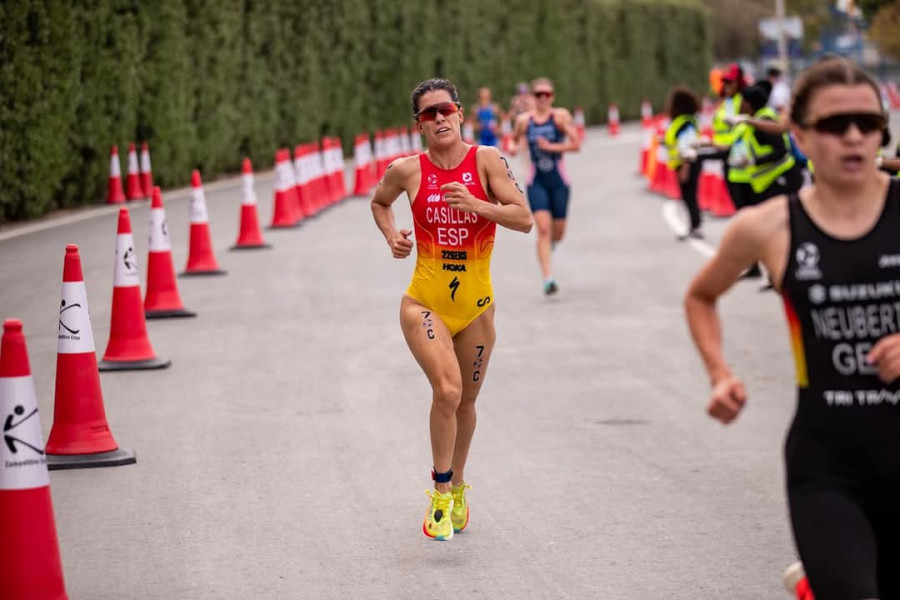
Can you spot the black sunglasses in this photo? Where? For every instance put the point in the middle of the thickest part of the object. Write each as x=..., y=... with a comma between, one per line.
x=543, y=94
x=839, y=124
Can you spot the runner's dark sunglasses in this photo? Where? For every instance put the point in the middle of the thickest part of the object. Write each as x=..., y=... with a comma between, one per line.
x=430, y=113
x=839, y=124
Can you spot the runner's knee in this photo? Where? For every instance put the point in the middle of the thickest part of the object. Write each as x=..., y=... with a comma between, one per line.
x=448, y=394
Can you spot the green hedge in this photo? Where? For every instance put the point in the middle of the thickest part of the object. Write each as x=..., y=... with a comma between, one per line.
x=207, y=82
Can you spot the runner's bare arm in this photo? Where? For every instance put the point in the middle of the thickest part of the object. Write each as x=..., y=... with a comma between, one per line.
x=738, y=250
x=518, y=136
x=511, y=211
x=741, y=246
x=386, y=192
x=573, y=140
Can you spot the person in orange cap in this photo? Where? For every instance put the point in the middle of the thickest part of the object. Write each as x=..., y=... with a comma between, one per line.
x=459, y=193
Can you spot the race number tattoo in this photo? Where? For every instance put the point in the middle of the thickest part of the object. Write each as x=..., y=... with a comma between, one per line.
x=385, y=174
x=479, y=361
x=428, y=324
x=512, y=177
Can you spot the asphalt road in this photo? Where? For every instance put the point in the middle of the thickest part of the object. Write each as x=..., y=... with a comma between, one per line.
x=285, y=453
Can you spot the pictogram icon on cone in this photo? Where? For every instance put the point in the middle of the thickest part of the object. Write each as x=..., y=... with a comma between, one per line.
x=80, y=437
x=146, y=171
x=133, y=190
x=162, y=300
x=115, y=194
x=249, y=236
x=201, y=260
x=30, y=564
x=129, y=347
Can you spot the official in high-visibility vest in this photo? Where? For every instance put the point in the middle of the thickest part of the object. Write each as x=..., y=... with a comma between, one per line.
x=724, y=131
x=772, y=168
x=682, y=106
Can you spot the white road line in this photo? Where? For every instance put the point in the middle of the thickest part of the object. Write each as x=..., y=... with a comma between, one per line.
x=671, y=210
x=99, y=211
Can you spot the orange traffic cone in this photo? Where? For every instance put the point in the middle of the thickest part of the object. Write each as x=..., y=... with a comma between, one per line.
x=133, y=189
x=650, y=167
x=30, y=566
x=381, y=159
x=115, y=194
x=328, y=182
x=301, y=208
x=646, y=114
x=318, y=183
x=361, y=159
x=162, y=300
x=722, y=205
x=80, y=436
x=129, y=347
x=303, y=173
x=578, y=120
x=705, y=186
x=146, y=171
x=670, y=183
x=250, y=235
x=613, y=119
x=339, y=176
x=283, y=209
x=201, y=260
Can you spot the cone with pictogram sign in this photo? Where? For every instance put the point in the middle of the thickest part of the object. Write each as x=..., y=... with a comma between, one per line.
x=201, y=260
x=80, y=437
x=129, y=347
x=250, y=235
x=30, y=564
x=162, y=300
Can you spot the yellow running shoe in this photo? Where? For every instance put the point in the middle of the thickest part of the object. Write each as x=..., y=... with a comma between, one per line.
x=459, y=516
x=437, y=525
